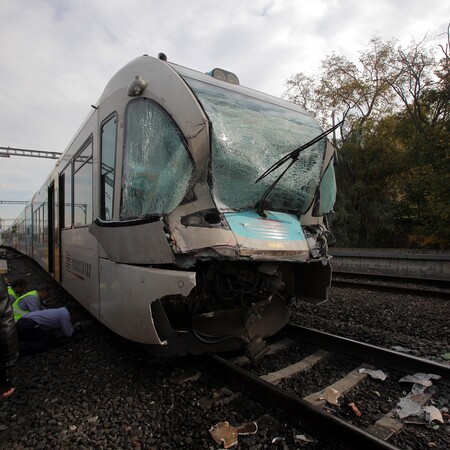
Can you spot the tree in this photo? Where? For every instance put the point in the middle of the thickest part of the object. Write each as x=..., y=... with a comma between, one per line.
x=393, y=150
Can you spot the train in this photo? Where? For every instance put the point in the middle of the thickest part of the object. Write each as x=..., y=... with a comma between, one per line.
x=187, y=211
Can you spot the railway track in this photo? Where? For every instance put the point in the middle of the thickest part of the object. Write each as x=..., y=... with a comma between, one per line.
x=310, y=410
x=429, y=265
x=381, y=285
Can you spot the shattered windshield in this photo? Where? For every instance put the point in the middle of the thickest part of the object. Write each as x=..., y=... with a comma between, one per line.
x=248, y=136
x=157, y=169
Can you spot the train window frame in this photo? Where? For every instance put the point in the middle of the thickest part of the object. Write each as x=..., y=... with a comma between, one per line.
x=79, y=165
x=66, y=176
x=137, y=181
x=326, y=192
x=103, y=176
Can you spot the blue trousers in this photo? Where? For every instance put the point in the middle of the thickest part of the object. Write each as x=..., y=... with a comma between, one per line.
x=32, y=338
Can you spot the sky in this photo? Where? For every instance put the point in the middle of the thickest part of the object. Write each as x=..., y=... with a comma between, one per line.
x=58, y=55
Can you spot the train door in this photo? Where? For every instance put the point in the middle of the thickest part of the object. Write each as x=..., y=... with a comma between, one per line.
x=51, y=228
x=64, y=206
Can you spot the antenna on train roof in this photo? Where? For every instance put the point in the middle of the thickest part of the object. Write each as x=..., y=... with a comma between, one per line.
x=162, y=57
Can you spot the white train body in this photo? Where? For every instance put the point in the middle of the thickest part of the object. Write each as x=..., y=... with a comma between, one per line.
x=150, y=218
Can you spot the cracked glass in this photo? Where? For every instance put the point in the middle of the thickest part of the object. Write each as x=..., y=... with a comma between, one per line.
x=249, y=135
x=158, y=170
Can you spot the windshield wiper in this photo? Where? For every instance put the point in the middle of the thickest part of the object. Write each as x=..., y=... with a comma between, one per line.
x=294, y=155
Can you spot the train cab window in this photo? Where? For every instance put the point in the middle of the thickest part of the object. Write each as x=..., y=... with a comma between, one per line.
x=157, y=169
x=108, y=160
x=327, y=192
x=82, y=187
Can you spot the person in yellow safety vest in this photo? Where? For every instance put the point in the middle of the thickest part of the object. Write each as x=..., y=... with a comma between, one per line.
x=31, y=301
x=9, y=345
x=16, y=289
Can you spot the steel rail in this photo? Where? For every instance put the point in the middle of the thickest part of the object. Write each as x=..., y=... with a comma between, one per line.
x=390, y=358
x=314, y=419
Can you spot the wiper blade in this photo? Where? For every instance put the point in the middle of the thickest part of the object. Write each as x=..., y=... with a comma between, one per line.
x=294, y=155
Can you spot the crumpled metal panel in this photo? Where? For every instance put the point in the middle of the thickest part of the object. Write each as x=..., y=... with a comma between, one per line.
x=144, y=243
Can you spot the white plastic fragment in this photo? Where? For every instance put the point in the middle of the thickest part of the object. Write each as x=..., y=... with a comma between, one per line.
x=420, y=378
x=432, y=413
x=303, y=439
x=400, y=349
x=407, y=407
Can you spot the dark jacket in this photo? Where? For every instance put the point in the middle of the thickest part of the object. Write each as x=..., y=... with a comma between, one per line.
x=9, y=346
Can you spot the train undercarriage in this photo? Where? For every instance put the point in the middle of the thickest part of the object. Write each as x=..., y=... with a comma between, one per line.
x=235, y=305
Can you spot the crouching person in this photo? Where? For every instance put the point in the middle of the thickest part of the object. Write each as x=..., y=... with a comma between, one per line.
x=9, y=348
x=42, y=330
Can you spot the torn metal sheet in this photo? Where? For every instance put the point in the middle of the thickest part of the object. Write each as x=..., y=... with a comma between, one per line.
x=376, y=374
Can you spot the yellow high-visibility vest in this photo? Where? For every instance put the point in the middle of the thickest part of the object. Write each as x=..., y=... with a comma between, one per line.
x=18, y=312
x=11, y=292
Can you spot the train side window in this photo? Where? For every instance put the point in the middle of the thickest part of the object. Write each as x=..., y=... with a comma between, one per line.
x=66, y=179
x=157, y=169
x=82, y=187
x=108, y=162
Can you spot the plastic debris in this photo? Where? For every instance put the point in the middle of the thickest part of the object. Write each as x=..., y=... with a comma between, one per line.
x=424, y=414
x=278, y=441
x=224, y=433
x=407, y=407
x=432, y=413
x=303, y=439
x=401, y=349
x=355, y=409
x=376, y=374
x=331, y=396
x=420, y=378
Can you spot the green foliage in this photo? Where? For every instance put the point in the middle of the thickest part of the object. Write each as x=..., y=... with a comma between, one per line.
x=394, y=156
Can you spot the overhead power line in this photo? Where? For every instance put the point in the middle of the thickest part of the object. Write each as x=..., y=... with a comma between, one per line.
x=13, y=202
